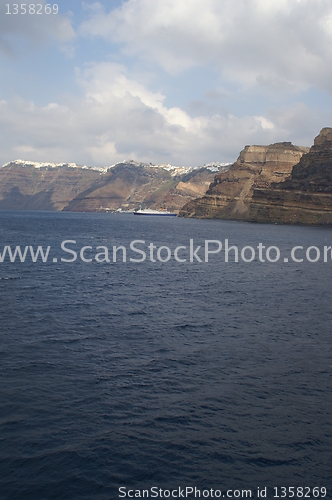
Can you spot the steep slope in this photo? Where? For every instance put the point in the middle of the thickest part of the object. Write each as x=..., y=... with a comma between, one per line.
x=30, y=186
x=304, y=198
x=229, y=195
x=126, y=186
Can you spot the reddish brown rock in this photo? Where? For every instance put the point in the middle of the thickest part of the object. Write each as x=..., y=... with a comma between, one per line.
x=304, y=198
x=130, y=186
x=229, y=195
x=24, y=187
x=126, y=186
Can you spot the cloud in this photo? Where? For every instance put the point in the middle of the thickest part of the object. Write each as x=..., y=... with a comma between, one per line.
x=117, y=118
x=284, y=45
x=34, y=29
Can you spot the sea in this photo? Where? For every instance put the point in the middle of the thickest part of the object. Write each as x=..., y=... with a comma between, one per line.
x=141, y=379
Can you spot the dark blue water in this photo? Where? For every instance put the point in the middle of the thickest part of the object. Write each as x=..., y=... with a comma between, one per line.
x=172, y=374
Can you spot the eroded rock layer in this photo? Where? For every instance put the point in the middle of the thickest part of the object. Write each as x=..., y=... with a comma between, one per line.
x=229, y=195
x=125, y=186
x=304, y=198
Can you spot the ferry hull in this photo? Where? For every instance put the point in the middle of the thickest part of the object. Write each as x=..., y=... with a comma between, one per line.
x=155, y=215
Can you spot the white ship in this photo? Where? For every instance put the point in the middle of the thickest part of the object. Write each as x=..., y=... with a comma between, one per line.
x=149, y=211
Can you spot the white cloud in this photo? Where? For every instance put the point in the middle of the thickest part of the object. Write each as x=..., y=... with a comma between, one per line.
x=36, y=29
x=285, y=43
x=264, y=122
x=116, y=118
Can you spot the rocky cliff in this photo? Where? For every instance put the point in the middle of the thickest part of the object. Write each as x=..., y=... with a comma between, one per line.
x=34, y=186
x=304, y=198
x=229, y=195
x=126, y=186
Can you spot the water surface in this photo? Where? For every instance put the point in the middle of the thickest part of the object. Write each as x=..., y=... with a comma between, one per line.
x=175, y=374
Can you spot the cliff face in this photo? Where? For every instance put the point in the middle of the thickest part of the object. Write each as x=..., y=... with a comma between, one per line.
x=229, y=195
x=25, y=187
x=304, y=198
x=130, y=186
x=33, y=186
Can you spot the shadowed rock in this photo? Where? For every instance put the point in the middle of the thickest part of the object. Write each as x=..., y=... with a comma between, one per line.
x=304, y=198
x=128, y=185
x=229, y=195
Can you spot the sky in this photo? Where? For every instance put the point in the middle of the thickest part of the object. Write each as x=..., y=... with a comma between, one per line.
x=183, y=82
